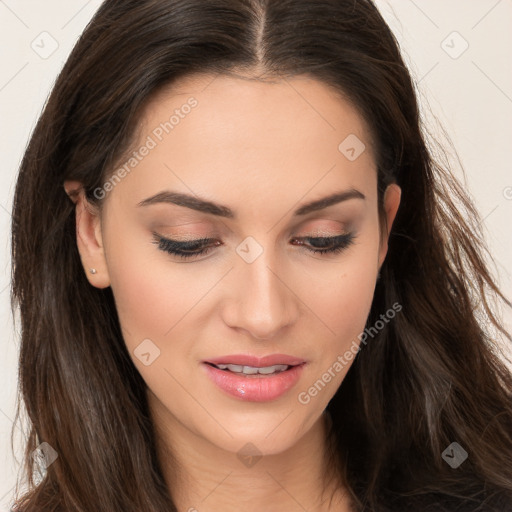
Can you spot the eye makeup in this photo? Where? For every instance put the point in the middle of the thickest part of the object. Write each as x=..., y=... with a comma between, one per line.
x=194, y=248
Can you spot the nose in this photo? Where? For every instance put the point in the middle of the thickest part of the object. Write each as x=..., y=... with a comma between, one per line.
x=263, y=303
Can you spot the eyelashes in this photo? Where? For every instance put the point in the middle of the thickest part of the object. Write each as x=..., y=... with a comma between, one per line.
x=193, y=248
x=187, y=249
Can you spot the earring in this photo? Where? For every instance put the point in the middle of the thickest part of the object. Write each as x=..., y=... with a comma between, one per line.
x=93, y=271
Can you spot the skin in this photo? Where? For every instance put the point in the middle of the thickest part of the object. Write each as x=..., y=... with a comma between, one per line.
x=261, y=149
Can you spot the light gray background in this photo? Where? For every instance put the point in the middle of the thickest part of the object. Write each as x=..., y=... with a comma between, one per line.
x=471, y=95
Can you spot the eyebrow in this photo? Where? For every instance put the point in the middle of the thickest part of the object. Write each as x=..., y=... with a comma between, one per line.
x=201, y=205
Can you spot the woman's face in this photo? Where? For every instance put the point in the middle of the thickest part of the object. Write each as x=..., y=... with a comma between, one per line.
x=235, y=162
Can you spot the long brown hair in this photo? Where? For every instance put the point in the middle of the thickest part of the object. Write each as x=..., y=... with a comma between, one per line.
x=431, y=377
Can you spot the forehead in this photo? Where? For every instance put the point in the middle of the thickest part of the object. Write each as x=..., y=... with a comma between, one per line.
x=232, y=137
x=298, y=105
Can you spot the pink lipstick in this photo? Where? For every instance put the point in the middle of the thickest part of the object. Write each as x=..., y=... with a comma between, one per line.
x=255, y=379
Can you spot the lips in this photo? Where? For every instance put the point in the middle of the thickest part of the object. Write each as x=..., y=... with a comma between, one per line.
x=255, y=379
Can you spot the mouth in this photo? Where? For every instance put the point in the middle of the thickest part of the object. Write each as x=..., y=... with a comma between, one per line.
x=255, y=379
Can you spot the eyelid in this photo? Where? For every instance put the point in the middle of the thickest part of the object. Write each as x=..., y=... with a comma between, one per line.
x=205, y=240
x=195, y=248
x=183, y=243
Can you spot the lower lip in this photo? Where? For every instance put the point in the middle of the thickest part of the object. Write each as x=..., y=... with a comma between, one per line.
x=260, y=388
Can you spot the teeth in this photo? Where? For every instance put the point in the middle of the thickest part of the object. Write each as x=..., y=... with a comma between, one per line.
x=252, y=370
x=271, y=369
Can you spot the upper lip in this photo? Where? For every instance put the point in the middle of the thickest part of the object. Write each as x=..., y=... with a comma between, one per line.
x=257, y=362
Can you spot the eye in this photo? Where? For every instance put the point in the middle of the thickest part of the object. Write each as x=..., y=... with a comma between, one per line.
x=192, y=248
x=184, y=249
x=328, y=245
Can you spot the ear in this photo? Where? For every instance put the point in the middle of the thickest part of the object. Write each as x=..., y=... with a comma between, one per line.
x=88, y=236
x=392, y=197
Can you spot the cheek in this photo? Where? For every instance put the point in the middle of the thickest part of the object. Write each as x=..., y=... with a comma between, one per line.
x=151, y=296
x=342, y=303
x=148, y=306
x=342, y=295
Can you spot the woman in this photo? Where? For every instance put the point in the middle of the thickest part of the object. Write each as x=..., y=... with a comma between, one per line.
x=244, y=282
